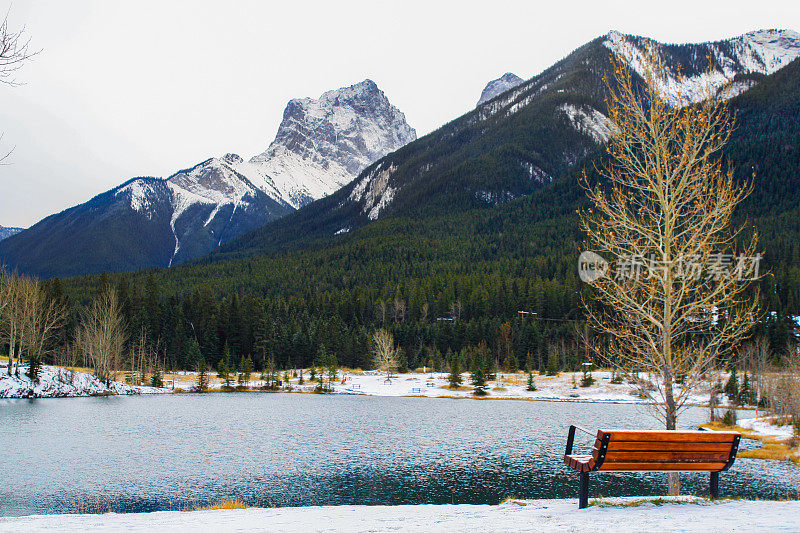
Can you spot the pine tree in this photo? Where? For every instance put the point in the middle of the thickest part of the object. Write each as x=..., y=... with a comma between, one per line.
x=552, y=365
x=478, y=380
x=746, y=393
x=34, y=368
x=202, y=376
x=436, y=360
x=245, y=371
x=732, y=386
x=224, y=367
x=587, y=380
x=531, y=384
x=455, y=371
x=271, y=375
x=156, y=380
x=333, y=370
x=192, y=355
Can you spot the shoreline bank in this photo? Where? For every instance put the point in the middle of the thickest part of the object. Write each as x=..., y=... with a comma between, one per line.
x=684, y=513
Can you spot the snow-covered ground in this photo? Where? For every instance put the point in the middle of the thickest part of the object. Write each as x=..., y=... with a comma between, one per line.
x=57, y=382
x=564, y=387
x=614, y=514
x=764, y=426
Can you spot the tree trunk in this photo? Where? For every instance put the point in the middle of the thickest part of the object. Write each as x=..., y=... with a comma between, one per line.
x=674, y=482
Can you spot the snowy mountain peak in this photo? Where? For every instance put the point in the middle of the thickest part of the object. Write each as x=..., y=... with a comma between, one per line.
x=757, y=52
x=232, y=159
x=323, y=144
x=500, y=85
x=8, y=232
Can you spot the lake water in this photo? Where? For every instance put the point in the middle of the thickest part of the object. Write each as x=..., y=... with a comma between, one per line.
x=147, y=453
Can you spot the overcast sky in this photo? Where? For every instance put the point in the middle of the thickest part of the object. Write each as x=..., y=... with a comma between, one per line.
x=124, y=89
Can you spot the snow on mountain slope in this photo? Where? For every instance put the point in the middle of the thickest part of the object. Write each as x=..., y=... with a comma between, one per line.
x=320, y=146
x=589, y=121
x=573, y=93
x=500, y=85
x=324, y=144
x=8, y=232
x=762, y=52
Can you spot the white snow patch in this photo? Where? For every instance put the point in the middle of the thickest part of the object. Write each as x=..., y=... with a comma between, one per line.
x=765, y=426
x=764, y=51
x=508, y=386
x=374, y=190
x=668, y=513
x=57, y=382
x=736, y=88
x=139, y=192
x=591, y=122
x=535, y=173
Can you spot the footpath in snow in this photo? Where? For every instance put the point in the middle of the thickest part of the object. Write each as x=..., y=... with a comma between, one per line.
x=57, y=382
x=669, y=514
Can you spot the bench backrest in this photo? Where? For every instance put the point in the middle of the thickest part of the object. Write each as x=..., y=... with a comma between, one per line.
x=711, y=451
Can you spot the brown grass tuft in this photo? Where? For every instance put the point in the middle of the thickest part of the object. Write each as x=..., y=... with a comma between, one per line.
x=223, y=504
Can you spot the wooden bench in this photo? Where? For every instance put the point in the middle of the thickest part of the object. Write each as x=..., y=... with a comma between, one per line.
x=653, y=451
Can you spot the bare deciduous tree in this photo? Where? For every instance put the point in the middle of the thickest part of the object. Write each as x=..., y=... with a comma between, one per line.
x=102, y=334
x=43, y=318
x=384, y=352
x=28, y=320
x=10, y=317
x=14, y=52
x=664, y=202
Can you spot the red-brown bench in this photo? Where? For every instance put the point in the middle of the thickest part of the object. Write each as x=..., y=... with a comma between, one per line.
x=653, y=451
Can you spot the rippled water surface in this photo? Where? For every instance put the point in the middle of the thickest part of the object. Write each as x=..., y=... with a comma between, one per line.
x=176, y=451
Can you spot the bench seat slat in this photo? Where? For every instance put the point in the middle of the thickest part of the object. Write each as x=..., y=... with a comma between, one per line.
x=581, y=463
x=667, y=457
x=669, y=436
x=662, y=467
x=668, y=446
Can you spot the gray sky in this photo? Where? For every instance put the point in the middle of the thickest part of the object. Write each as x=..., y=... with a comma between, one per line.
x=124, y=89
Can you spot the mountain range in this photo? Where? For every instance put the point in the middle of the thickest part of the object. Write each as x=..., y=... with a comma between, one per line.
x=520, y=140
x=321, y=145
x=525, y=141
x=8, y=232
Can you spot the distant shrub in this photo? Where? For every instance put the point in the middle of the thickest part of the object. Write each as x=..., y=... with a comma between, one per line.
x=729, y=418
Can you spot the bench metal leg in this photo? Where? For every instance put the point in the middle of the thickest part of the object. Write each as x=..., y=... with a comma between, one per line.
x=583, y=491
x=714, y=485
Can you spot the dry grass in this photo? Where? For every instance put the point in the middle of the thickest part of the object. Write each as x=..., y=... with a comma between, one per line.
x=459, y=388
x=776, y=451
x=597, y=502
x=772, y=448
x=222, y=504
x=746, y=433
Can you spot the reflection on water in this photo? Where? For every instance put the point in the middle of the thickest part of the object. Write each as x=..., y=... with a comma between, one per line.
x=175, y=451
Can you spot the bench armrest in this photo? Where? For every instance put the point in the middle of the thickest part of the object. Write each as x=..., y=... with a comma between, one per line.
x=570, y=440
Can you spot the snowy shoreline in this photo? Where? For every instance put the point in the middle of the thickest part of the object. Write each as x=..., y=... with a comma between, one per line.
x=57, y=382
x=681, y=513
